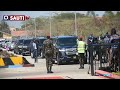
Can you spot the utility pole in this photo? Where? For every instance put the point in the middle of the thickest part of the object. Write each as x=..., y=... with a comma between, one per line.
x=25, y=29
x=50, y=22
x=35, y=27
x=75, y=25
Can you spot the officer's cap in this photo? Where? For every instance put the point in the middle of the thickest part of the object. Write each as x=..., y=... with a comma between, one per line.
x=48, y=37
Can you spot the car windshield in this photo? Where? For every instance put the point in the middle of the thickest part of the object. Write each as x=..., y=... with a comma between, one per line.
x=20, y=41
x=67, y=42
x=41, y=41
x=26, y=42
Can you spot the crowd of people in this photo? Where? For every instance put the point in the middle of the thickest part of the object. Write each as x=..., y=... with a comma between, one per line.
x=110, y=46
x=108, y=38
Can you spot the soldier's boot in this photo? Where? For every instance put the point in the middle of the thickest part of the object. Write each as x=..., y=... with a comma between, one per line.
x=83, y=66
x=51, y=69
x=48, y=71
x=80, y=64
x=36, y=60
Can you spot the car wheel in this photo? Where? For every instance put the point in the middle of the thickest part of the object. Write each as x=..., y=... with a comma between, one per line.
x=14, y=52
x=19, y=52
x=58, y=60
x=23, y=54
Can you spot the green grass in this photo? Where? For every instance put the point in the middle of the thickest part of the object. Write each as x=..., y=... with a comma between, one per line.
x=117, y=73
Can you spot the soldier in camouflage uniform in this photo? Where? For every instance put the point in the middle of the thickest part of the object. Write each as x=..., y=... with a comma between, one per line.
x=48, y=51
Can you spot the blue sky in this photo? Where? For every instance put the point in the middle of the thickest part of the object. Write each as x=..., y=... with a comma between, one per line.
x=34, y=14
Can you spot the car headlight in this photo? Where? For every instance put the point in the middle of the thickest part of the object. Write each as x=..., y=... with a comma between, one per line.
x=19, y=46
x=63, y=49
x=71, y=49
x=25, y=46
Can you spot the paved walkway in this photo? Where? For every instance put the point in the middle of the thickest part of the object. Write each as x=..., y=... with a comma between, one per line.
x=39, y=71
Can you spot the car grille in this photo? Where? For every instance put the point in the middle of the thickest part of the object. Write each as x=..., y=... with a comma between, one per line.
x=71, y=51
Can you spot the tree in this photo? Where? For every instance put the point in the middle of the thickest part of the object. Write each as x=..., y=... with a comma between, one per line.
x=23, y=27
x=109, y=14
x=68, y=15
x=90, y=14
x=118, y=14
x=26, y=24
x=5, y=27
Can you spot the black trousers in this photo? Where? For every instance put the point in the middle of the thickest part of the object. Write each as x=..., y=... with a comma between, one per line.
x=35, y=55
x=81, y=59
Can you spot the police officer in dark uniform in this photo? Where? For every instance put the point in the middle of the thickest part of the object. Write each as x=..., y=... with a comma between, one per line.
x=90, y=40
x=48, y=50
x=114, y=50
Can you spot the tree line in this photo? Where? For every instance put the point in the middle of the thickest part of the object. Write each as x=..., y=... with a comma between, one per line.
x=64, y=24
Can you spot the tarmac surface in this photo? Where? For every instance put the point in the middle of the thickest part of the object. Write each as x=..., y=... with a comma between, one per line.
x=67, y=71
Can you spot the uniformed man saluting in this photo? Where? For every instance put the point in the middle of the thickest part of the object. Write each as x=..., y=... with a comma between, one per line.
x=48, y=50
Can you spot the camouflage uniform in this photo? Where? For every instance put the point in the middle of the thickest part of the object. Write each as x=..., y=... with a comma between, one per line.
x=48, y=47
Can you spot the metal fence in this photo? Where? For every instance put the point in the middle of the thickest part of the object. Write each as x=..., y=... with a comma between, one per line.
x=99, y=59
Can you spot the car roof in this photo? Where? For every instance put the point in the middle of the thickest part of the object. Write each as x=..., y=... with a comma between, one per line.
x=28, y=39
x=41, y=38
x=65, y=37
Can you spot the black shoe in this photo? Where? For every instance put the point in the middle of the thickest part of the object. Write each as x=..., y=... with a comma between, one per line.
x=51, y=71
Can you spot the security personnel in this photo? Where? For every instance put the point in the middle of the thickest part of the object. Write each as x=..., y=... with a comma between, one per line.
x=90, y=40
x=48, y=50
x=35, y=50
x=114, y=50
x=81, y=51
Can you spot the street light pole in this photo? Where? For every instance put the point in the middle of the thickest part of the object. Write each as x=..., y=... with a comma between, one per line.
x=50, y=22
x=75, y=25
x=35, y=27
x=25, y=29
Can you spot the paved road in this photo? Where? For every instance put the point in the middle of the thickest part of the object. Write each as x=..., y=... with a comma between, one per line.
x=70, y=71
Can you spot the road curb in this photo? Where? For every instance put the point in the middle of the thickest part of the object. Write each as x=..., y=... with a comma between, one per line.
x=45, y=77
x=107, y=74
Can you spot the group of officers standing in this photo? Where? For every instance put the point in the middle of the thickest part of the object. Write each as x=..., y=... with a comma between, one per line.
x=81, y=48
x=109, y=46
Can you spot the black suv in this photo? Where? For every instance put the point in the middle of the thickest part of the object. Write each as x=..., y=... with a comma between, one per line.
x=65, y=48
x=18, y=46
x=26, y=46
x=22, y=46
x=41, y=40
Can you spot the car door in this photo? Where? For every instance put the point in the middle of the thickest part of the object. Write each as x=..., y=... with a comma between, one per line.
x=54, y=44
